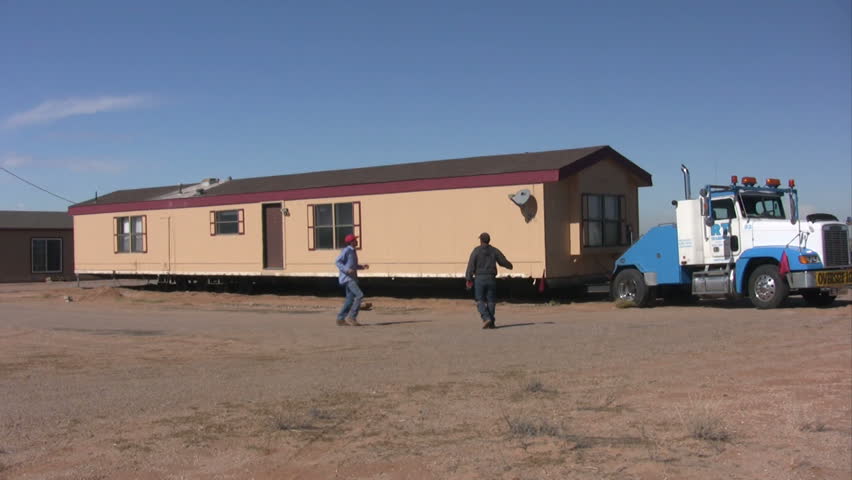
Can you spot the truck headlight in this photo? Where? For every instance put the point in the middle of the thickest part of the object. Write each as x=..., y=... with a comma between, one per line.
x=808, y=259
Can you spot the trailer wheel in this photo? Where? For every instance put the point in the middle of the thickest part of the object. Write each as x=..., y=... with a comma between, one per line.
x=818, y=299
x=766, y=287
x=630, y=288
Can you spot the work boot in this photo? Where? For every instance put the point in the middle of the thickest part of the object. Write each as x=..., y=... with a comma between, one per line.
x=341, y=322
x=486, y=324
x=353, y=322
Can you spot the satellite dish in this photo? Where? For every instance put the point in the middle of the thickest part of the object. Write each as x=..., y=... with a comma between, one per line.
x=521, y=197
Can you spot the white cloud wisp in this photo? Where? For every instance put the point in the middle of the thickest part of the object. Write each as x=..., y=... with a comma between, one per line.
x=13, y=160
x=52, y=110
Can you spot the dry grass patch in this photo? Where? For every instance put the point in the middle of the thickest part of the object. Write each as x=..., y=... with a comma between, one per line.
x=524, y=427
x=803, y=417
x=295, y=422
x=603, y=402
x=704, y=420
x=813, y=426
x=534, y=386
x=292, y=422
x=123, y=445
x=707, y=427
x=263, y=450
x=622, y=303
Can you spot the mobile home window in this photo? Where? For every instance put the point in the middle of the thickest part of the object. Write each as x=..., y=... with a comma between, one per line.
x=603, y=220
x=329, y=223
x=46, y=255
x=227, y=222
x=131, y=234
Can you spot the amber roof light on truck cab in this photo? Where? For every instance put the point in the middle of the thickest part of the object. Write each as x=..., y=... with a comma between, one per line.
x=749, y=181
x=773, y=182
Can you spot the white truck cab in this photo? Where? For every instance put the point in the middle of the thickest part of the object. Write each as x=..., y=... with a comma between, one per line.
x=739, y=239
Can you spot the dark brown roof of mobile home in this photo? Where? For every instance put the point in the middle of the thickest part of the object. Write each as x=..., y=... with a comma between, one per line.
x=565, y=162
x=23, y=220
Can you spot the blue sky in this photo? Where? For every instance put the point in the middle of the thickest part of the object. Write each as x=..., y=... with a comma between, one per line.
x=102, y=96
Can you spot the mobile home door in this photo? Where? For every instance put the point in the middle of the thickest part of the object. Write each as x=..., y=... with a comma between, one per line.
x=273, y=237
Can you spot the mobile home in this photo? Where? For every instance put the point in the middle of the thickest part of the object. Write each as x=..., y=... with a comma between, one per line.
x=560, y=215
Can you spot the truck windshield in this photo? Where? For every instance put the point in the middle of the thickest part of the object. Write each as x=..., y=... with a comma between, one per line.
x=762, y=206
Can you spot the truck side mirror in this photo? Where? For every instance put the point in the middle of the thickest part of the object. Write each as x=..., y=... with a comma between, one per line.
x=794, y=208
x=705, y=208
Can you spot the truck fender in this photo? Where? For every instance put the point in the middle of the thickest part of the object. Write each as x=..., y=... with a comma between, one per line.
x=755, y=257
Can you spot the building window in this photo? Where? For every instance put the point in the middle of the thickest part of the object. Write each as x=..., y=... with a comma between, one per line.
x=131, y=234
x=227, y=222
x=603, y=221
x=329, y=223
x=47, y=255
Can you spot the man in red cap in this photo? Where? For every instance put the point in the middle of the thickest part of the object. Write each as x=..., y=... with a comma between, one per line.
x=347, y=264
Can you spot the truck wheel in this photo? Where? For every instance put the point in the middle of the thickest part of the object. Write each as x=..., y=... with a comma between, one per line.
x=818, y=299
x=630, y=288
x=766, y=287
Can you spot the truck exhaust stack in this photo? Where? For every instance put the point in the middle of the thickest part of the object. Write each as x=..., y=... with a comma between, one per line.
x=687, y=190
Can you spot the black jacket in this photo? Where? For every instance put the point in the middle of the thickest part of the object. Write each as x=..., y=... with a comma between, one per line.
x=484, y=260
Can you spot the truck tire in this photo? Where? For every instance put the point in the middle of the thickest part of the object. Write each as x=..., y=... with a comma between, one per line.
x=817, y=298
x=766, y=287
x=629, y=288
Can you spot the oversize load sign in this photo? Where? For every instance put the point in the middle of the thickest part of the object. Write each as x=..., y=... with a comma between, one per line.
x=828, y=278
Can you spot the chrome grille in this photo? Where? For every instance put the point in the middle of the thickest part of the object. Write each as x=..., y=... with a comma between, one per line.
x=835, y=246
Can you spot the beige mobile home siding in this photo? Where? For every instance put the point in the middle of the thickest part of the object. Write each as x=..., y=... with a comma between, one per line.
x=416, y=234
x=566, y=255
x=178, y=241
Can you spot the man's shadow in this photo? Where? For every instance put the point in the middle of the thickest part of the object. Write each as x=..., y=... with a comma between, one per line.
x=383, y=324
x=510, y=325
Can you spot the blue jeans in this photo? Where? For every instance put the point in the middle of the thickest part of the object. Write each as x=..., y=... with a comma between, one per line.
x=352, y=304
x=485, y=292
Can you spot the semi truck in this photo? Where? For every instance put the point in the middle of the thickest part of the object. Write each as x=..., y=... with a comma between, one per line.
x=737, y=240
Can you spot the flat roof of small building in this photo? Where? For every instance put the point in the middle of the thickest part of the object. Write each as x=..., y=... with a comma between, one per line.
x=25, y=220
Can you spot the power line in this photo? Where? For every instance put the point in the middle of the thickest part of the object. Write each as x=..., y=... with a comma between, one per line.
x=36, y=186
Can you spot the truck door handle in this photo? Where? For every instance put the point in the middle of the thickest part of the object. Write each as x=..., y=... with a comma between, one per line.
x=735, y=243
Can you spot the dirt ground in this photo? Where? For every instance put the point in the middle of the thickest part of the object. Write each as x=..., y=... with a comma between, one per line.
x=125, y=383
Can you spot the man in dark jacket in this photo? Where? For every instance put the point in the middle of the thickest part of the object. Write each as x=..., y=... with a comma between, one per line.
x=481, y=274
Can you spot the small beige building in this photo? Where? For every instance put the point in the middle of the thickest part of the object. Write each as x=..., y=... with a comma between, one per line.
x=562, y=214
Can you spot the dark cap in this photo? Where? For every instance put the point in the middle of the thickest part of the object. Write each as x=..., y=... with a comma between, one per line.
x=484, y=237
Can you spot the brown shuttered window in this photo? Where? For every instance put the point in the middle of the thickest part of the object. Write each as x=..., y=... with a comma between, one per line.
x=227, y=222
x=144, y=233
x=130, y=234
x=329, y=223
x=356, y=226
x=311, y=237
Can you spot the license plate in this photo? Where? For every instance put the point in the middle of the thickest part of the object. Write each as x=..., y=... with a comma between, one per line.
x=834, y=278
